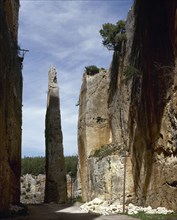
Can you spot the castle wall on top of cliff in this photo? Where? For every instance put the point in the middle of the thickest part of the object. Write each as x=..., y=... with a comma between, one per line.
x=10, y=107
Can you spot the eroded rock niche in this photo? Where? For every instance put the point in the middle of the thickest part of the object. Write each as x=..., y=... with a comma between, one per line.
x=55, y=190
x=10, y=105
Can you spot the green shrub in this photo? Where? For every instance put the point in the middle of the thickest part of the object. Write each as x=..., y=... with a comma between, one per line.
x=91, y=70
x=129, y=72
x=105, y=150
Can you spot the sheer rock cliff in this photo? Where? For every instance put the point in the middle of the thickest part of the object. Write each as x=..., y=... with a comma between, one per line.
x=93, y=126
x=153, y=104
x=11, y=105
x=138, y=144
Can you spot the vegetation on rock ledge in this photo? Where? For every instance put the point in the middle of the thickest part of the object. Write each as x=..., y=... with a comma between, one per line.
x=108, y=149
x=92, y=70
x=129, y=72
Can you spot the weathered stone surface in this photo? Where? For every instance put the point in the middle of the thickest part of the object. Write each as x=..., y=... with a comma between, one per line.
x=106, y=178
x=77, y=190
x=10, y=105
x=102, y=165
x=70, y=187
x=152, y=114
x=93, y=125
x=141, y=110
x=32, y=189
x=55, y=190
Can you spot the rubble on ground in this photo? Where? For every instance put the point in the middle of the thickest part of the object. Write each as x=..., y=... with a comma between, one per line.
x=102, y=207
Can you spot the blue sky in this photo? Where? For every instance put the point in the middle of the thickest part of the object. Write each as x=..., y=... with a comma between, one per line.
x=64, y=34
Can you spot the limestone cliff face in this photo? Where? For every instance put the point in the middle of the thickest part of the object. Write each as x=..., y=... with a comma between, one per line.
x=55, y=190
x=93, y=125
x=141, y=108
x=101, y=153
x=10, y=107
x=102, y=165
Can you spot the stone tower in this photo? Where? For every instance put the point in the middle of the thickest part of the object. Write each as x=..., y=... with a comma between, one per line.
x=55, y=190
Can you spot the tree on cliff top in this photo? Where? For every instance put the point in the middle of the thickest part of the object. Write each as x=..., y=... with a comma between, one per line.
x=113, y=35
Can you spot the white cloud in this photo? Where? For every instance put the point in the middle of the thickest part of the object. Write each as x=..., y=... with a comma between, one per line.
x=64, y=34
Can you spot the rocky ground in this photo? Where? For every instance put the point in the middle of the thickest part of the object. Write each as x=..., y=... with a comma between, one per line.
x=32, y=194
x=65, y=212
x=102, y=207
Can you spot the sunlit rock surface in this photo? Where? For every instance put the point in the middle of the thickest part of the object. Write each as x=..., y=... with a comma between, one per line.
x=141, y=113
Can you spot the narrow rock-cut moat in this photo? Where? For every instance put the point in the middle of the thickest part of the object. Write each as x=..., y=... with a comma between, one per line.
x=127, y=124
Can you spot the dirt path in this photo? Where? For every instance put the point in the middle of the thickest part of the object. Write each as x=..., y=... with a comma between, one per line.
x=63, y=212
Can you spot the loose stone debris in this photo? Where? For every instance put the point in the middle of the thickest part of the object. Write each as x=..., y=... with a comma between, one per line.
x=101, y=207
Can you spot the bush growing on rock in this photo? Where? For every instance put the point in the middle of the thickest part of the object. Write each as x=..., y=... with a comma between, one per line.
x=91, y=70
x=129, y=72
